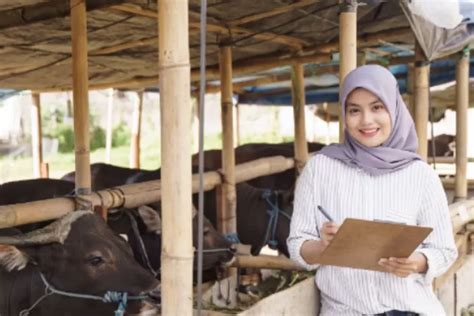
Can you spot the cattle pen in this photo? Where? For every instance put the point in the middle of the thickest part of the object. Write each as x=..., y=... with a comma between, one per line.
x=138, y=44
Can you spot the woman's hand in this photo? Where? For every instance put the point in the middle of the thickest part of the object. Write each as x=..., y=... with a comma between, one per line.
x=403, y=267
x=328, y=231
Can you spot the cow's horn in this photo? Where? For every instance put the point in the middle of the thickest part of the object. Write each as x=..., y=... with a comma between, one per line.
x=54, y=232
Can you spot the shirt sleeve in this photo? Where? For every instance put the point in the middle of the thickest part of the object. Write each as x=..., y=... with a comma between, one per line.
x=439, y=247
x=303, y=221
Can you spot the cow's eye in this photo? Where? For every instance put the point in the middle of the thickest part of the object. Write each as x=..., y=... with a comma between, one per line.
x=95, y=260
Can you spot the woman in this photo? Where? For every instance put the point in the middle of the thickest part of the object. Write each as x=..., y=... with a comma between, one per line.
x=375, y=174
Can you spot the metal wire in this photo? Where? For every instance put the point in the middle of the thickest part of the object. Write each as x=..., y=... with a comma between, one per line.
x=202, y=92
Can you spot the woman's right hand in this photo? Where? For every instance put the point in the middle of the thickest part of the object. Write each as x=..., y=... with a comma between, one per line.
x=328, y=231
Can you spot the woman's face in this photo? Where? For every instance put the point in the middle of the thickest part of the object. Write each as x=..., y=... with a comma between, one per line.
x=367, y=119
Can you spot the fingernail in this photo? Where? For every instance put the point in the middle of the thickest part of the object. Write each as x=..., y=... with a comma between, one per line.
x=392, y=259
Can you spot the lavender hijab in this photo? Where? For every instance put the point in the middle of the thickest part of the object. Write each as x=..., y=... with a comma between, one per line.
x=399, y=150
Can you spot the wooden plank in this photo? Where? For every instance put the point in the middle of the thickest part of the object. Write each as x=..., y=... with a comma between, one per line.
x=36, y=135
x=223, y=30
x=80, y=85
x=270, y=13
x=298, y=100
x=421, y=98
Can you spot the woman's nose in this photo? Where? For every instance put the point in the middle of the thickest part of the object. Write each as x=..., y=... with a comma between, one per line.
x=366, y=117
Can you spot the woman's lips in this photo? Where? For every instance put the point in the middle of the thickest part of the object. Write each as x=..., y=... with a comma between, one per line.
x=369, y=132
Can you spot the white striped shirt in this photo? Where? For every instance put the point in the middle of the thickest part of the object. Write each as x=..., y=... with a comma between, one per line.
x=413, y=195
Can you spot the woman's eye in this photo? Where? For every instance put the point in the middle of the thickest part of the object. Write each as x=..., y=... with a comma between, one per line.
x=353, y=111
x=378, y=107
x=95, y=261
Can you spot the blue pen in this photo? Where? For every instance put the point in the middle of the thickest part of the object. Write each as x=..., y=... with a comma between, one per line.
x=329, y=218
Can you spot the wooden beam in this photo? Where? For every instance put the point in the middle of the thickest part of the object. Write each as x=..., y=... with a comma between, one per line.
x=45, y=10
x=228, y=217
x=462, y=105
x=123, y=46
x=347, y=50
x=176, y=205
x=270, y=13
x=108, y=132
x=421, y=97
x=298, y=99
x=136, y=132
x=215, y=28
x=80, y=85
x=36, y=135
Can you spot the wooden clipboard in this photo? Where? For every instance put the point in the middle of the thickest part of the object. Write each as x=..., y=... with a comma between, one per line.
x=361, y=244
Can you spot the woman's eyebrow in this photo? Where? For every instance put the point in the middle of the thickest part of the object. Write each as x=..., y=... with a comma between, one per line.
x=376, y=101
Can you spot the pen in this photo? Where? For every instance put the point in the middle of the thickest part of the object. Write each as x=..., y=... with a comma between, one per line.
x=329, y=218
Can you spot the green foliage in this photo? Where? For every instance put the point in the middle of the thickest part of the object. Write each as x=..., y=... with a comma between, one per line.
x=97, y=138
x=65, y=136
x=121, y=135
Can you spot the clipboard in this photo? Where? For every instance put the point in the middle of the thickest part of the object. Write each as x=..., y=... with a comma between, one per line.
x=361, y=244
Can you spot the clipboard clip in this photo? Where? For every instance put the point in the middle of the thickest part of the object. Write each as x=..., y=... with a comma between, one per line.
x=388, y=222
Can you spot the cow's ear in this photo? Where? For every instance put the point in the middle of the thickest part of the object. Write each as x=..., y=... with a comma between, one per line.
x=151, y=218
x=12, y=258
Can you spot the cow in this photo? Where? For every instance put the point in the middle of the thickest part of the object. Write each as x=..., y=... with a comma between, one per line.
x=105, y=176
x=143, y=229
x=78, y=255
x=280, y=181
x=444, y=145
x=147, y=221
x=263, y=216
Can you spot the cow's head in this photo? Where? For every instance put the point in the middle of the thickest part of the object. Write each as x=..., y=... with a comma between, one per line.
x=148, y=222
x=216, y=248
x=79, y=254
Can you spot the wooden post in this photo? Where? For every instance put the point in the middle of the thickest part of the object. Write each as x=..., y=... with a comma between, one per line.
x=136, y=132
x=298, y=97
x=80, y=96
x=226, y=214
x=462, y=104
x=36, y=135
x=410, y=89
x=422, y=102
x=227, y=220
x=237, y=124
x=108, y=134
x=175, y=101
x=347, y=48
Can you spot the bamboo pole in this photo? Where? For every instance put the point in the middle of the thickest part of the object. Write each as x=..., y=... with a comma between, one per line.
x=298, y=97
x=237, y=124
x=36, y=135
x=108, y=134
x=462, y=104
x=136, y=132
x=265, y=262
x=227, y=219
x=134, y=195
x=80, y=96
x=347, y=49
x=175, y=101
x=410, y=89
x=226, y=212
x=421, y=97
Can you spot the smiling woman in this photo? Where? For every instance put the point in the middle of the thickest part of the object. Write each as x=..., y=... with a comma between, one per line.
x=367, y=119
x=374, y=174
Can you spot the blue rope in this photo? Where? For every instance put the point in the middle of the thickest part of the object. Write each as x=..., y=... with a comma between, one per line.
x=233, y=238
x=273, y=212
x=109, y=297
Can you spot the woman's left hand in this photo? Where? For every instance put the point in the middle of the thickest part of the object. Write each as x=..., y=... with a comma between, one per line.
x=403, y=267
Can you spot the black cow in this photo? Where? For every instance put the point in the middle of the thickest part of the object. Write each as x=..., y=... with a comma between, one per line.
x=280, y=181
x=444, y=144
x=76, y=254
x=146, y=219
x=254, y=214
x=105, y=176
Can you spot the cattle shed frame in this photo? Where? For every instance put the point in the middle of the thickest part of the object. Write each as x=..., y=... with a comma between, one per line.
x=256, y=37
